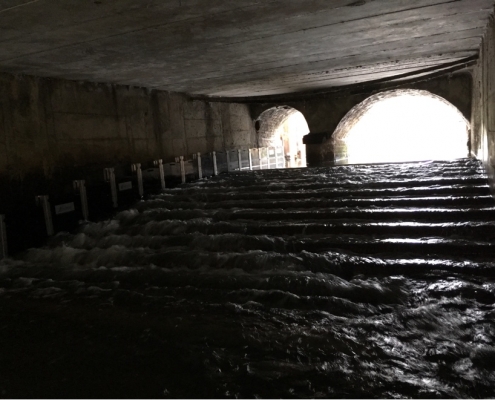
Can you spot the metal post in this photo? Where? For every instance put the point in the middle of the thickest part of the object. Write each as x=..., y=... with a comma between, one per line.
x=239, y=159
x=137, y=169
x=44, y=201
x=109, y=174
x=260, y=157
x=267, y=157
x=215, y=168
x=228, y=160
x=80, y=186
x=274, y=157
x=159, y=163
x=287, y=161
x=282, y=157
x=182, y=169
x=250, y=160
x=177, y=162
x=200, y=167
x=3, y=238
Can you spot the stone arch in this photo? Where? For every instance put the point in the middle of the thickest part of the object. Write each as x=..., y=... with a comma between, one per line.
x=283, y=126
x=357, y=112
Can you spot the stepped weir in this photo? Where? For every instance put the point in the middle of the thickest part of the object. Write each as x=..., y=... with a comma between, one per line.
x=347, y=281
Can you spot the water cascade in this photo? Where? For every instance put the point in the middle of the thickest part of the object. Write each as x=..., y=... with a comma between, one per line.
x=350, y=281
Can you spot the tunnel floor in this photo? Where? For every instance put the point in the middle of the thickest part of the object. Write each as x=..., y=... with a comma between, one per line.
x=346, y=282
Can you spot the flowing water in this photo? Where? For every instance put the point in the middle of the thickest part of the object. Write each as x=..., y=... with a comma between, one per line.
x=351, y=281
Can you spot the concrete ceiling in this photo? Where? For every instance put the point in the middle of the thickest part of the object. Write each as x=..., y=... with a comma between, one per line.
x=238, y=48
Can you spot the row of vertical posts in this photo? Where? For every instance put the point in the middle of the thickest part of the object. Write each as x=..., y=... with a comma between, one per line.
x=233, y=160
x=77, y=205
x=43, y=201
x=214, y=163
x=200, y=166
x=256, y=159
x=109, y=177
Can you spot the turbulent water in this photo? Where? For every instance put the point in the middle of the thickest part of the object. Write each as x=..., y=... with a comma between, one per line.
x=351, y=281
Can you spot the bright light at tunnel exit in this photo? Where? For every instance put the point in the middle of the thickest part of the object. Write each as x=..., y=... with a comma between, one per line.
x=408, y=128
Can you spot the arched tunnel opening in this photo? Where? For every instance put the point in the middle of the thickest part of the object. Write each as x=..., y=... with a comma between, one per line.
x=284, y=126
x=401, y=125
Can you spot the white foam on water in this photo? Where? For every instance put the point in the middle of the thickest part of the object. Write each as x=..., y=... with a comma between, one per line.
x=380, y=324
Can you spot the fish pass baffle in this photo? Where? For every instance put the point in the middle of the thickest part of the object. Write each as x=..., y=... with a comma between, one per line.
x=109, y=175
x=44, y=202
x=180, y=161
x=80, y=187
x=139, y=173
x=215, y=167
x=199, y=166
x=159, y=164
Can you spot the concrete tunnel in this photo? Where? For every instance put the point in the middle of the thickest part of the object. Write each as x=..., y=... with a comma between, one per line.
x=147, y=145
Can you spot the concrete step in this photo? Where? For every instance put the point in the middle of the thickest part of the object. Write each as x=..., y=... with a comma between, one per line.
x=439, y=247
x=315, y=202
x=141, y=225
x=349, y=183
x=427, y=214
x=200, y=194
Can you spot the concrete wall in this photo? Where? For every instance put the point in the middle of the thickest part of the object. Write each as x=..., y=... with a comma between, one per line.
x=324, y=112
x=50, y=128
x=483, y=118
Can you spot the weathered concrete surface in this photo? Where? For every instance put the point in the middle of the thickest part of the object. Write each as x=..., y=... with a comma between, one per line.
x=483, y=116
x=237, y=48
x=51, y=128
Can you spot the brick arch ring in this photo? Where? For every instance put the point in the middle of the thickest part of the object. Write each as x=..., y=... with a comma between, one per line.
x=270, y=119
